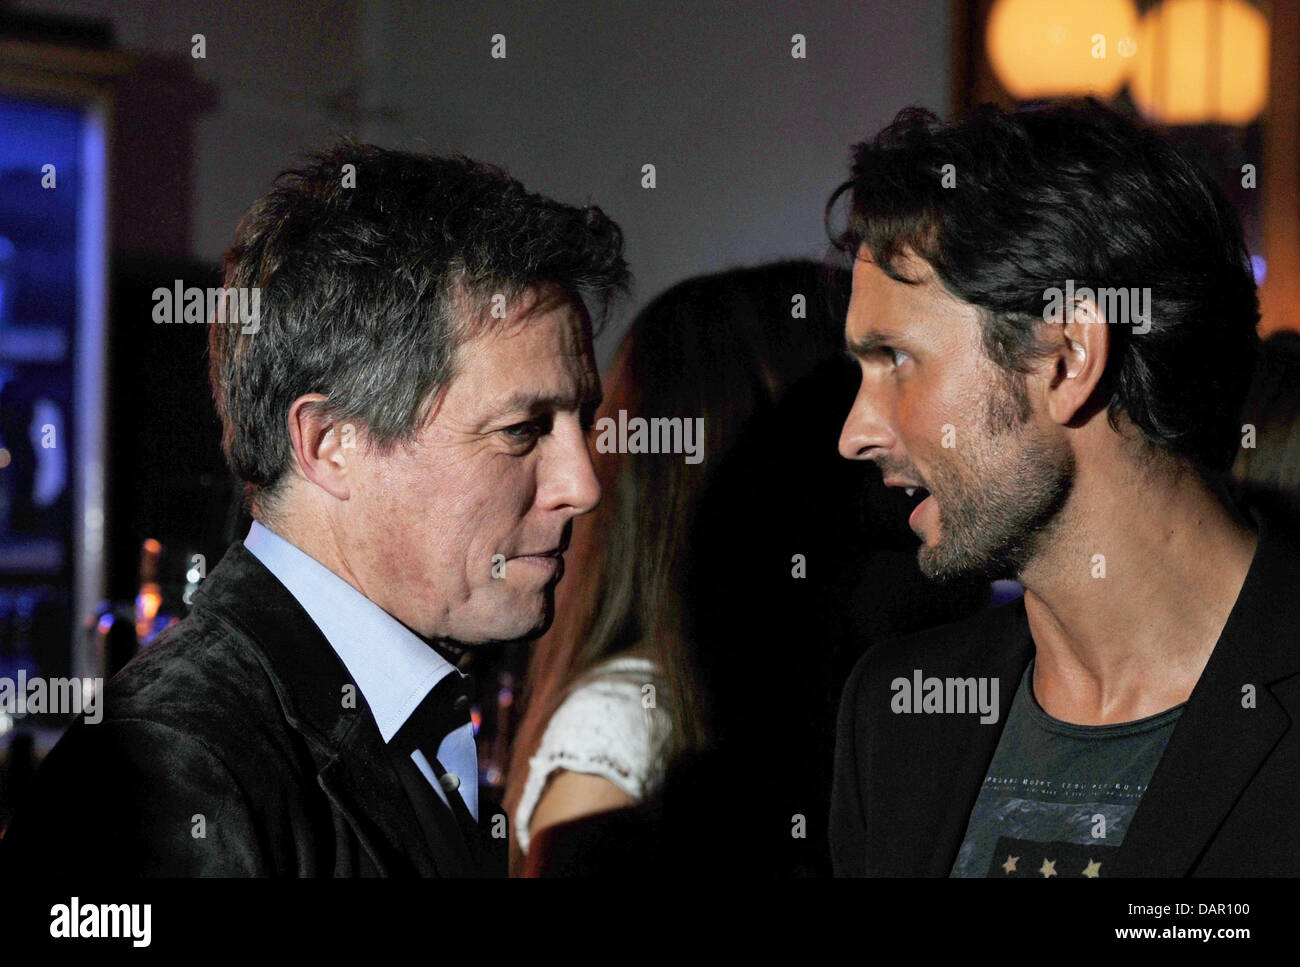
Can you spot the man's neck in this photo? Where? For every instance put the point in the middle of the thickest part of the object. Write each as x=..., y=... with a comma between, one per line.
x=309, y=531
x=309, y=535
x=1129, y=598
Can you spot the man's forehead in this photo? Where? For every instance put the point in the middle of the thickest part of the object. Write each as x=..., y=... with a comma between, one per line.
x=878, y=300
x=906, y=263
x=550, y=355
x=535, y=321
x=539, y=355
x=874, y=301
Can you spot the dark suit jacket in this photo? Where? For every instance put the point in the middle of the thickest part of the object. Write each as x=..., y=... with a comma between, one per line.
x=1224, y=799
x=226, y=748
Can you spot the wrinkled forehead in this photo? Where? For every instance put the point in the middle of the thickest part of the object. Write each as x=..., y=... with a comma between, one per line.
x=555, y=320
x=535, y=351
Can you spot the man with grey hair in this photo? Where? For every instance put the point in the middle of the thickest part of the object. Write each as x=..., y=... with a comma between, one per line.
x=409, y=416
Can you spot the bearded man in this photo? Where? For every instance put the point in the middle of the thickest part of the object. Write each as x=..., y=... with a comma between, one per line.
x=1148, y=681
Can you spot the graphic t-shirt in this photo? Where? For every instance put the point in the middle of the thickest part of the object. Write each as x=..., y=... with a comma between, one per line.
x=1058, y=797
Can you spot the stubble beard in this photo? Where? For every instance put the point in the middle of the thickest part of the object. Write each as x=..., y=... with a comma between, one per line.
x=998, y=507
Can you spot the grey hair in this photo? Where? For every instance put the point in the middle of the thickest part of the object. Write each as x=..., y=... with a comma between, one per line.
x=374, y=266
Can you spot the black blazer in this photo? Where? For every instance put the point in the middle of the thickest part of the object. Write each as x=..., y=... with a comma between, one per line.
x=1224, y=799
x=227, y=749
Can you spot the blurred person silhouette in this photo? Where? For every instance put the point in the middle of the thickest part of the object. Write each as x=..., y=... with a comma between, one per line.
x=645, y=716
x=1267, y=475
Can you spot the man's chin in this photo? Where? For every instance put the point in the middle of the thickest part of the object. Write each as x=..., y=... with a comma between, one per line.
x=940, y=565
x=521, y=628
x=534, y=632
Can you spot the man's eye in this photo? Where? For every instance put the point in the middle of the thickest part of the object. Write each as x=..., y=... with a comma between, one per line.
x=523, y=432
x=897, y=356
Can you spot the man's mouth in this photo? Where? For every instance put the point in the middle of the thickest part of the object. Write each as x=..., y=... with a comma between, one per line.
x=552, y=552
x=919, y=496
x=923, y=502
x=551, y=560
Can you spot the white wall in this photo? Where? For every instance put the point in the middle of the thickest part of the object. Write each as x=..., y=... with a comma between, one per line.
x=747, y=141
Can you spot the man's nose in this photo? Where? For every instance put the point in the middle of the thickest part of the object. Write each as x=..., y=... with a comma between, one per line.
x=866, y=434
x=571, y=482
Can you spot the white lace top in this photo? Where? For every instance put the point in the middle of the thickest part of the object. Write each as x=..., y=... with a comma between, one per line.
x=605, y=727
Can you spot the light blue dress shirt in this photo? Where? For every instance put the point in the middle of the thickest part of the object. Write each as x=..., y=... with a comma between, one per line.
x=392, y=667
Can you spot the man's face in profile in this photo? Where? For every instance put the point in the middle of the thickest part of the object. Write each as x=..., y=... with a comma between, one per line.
x=936, y=414
x=453, y=530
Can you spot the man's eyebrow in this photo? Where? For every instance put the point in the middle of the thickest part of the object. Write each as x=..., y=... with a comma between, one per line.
x=870, y=343
x=524, y=401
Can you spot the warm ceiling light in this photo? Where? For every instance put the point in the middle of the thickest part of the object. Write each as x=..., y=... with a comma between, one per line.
x=1202, y=62
x=1042, y=49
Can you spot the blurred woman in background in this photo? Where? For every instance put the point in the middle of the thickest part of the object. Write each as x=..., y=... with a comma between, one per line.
x=612, y=692
x=681, y=708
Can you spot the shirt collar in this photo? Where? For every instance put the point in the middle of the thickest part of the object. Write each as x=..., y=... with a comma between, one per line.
x=392, y=666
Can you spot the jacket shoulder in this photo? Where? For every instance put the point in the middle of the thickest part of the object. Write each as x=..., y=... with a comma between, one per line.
x=200, y=677
x=186, y=758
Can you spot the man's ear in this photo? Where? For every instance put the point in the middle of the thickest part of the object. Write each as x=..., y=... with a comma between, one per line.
x=318, y=446
x=1080, y=346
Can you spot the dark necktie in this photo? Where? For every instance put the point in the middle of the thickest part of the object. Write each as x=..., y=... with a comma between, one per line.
x=443, y=710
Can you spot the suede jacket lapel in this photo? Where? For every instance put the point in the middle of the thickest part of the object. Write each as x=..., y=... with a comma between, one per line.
x=345, y=744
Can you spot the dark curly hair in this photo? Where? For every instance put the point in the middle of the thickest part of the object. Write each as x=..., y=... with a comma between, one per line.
x=367, y=292
x=1073, y=190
